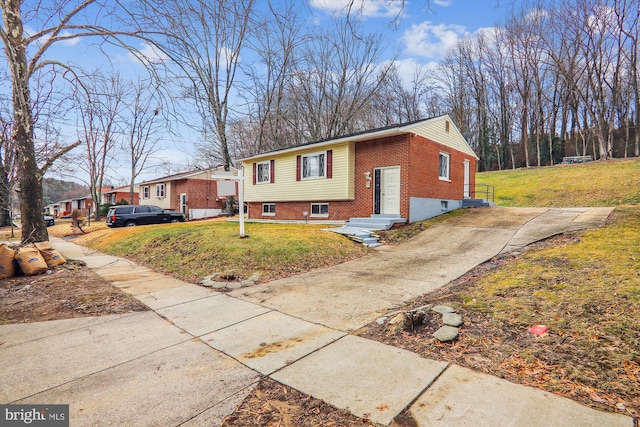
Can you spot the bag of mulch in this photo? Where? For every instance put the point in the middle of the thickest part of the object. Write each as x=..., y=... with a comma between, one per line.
x=30, y=260
x=7, y=264
x=51, y=256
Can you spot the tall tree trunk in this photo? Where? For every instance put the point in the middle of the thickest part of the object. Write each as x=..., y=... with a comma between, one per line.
x=28, y=174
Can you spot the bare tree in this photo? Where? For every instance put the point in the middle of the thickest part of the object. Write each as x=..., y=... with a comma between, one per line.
x=25, y=53
x=7, y=173
x=140, y=125
x=100, y=106
x=337, y=79
x=205, y=40
x=279, y=38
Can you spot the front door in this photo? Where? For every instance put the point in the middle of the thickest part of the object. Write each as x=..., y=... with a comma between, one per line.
x=387, y=190
x=183, y=203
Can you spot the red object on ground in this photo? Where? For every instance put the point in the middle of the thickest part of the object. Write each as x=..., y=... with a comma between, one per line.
x=538, y=329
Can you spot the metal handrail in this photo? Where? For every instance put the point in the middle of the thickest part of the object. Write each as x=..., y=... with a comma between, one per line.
x=485, y=190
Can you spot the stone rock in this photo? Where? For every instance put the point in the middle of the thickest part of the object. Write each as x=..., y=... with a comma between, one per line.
x=446, y=333
x=424, y=308
x=252, y=280
x=233, y=285
x=443, y=309
x=381, y=320
x=210, y=283
x=398, y=318
x=452, y=319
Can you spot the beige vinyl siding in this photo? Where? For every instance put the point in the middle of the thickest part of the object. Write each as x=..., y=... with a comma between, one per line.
x=435, y=130
x=286, y=188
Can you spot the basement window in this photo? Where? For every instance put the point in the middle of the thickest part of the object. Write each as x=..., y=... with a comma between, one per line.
x=444, y=205
x=268, y=209
x=319, y=210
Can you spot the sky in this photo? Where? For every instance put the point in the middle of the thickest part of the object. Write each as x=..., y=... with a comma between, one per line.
x=420, y=34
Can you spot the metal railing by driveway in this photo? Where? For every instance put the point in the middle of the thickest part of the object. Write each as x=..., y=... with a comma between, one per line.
x=481, y=191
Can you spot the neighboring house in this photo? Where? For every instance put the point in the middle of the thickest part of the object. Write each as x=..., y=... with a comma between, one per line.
x=112, y=196
x=197, y=194
x=64, y=208
x=412, y=171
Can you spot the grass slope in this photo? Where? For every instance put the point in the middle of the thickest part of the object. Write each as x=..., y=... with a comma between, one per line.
x=602, y=183
x=192, y=250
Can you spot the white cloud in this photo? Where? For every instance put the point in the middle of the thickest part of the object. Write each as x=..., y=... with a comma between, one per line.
x=443, y=3
x=368, y=8
x=149, y=52
x=432, y=41
x=73, y=41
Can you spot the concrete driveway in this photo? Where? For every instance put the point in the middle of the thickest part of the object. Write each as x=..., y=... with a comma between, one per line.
x=351, y=295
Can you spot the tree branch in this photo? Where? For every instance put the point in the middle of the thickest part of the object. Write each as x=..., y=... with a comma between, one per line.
x=59, y=154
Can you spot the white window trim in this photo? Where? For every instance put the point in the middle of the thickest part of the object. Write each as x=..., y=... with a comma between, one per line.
x=324, y=170
x=448, y=176
x=269, y=213
x=164, y=190
x=268, y=165
x=320, y=215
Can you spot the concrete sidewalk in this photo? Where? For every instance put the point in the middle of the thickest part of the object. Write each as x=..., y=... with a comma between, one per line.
x=199, y=353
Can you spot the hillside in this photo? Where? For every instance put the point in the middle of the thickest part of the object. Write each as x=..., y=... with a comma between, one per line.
x=601, y=183
x=55, y=190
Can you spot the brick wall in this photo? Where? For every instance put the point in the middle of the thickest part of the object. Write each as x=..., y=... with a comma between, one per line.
x=201, y=194
x=425, y=167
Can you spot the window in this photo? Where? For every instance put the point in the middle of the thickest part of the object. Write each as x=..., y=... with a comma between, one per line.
x=145, y=192
x=263, y=172
x=313, y=166
x=268, y=209
x=320, y=210
x=160, y=190
x=444, y=167
x=444, y=205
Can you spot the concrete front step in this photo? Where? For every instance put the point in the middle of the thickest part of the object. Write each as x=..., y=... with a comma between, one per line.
x=376, y=222
x=476, y=203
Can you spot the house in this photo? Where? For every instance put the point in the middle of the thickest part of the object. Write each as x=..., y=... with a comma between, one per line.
x=114, y=195
x=410, y=171
x=63, y=208
x=197, y=194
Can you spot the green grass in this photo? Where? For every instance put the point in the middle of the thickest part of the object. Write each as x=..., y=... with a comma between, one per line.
x=588, y=293
x=191, y=251
x=601, y=183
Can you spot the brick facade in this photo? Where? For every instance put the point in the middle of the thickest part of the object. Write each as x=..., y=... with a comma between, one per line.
x=201, y=194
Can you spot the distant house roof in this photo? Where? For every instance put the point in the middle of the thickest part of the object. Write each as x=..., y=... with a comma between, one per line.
x=419, y=127
x=219, y=170
x=122, y=189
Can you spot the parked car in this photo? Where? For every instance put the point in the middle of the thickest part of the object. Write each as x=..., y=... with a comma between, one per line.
x=132, y=215
x=49, y=221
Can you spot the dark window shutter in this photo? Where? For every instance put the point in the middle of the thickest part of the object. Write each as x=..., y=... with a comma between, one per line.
x=329, y=163
x=272, y=165
x=255, y=172
x=298, y=165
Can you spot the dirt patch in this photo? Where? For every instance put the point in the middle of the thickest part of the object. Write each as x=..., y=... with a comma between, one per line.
x=273, y=404
x=67, y=291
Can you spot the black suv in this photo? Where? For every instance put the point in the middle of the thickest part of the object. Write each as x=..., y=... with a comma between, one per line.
x=132, y=215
